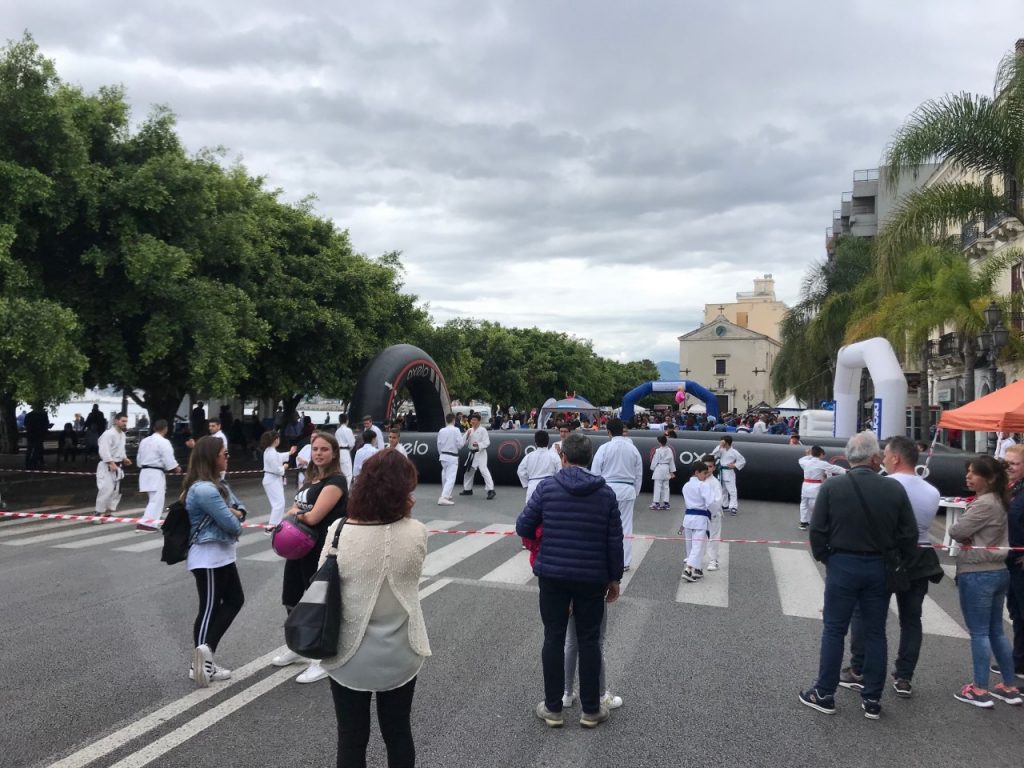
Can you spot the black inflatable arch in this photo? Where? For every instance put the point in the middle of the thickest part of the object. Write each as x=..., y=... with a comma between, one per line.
x=402, y=366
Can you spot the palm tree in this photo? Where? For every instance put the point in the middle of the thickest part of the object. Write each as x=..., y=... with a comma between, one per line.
x=812, y=331
x=984, y=136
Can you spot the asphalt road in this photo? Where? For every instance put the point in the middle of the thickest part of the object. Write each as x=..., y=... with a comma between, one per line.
x=96, y=647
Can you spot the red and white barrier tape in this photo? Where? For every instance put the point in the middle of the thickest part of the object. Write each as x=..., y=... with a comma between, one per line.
x=126, y=474
x=471, y=532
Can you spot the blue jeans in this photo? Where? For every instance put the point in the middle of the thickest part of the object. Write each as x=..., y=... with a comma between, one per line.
x=587, y=601
x=854, y=581
x=910, y=605
x=982, y=594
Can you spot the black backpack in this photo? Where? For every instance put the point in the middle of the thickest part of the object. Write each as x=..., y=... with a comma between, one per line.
x=176, y=534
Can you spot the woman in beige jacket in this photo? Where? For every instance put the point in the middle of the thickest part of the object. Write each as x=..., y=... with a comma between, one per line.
x=383, y=638
x=982, y=580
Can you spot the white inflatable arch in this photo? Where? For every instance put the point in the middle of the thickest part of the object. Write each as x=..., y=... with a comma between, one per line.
x=890, y=388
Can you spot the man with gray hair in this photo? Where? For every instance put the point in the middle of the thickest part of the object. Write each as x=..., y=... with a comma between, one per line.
x=859, y=520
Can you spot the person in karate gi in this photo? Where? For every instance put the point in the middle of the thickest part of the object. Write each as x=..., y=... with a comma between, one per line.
x=109, y=471
x=816, y=470
x=698, y=497
x=346, y=442
x=538, y=464
x=449, y=443
x=214, y=427
x=730, y=461
x=619, y=463
x=563, y=432
x=477, y=439
x=156, y=458
x=367, y=450
x=394, y=436
x=663, y=468
x=274, y=464
x=715, y=527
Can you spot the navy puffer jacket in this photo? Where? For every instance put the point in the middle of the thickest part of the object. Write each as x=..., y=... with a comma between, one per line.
x=582, y=537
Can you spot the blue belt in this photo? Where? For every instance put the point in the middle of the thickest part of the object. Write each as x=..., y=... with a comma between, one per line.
x=700, y=512
x=620, y=482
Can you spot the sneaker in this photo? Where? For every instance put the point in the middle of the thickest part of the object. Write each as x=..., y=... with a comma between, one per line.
x=625, y=568
x=215, y=673
x=697, y=574
x=903, y=688
x=995, y=670
x=688, y=574
x=286, y=658
x=568, y=699
x=491, y=495
x=851, y=680
x=872, y=708
x=552, y=719
x=1006, y=693
x=465, y=493
x=269, y=530
x=655, y=506
x=804, y=526
x=312, y=673
x=713, y=565
x=611, y=701
x=825, y=704
x=202, y=665
x=444, y=502
x=594, y=719
x=666, y=506
x=733, y=511
x=970, y=695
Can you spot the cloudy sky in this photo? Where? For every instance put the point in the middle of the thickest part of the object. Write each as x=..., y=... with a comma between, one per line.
x=596, y=167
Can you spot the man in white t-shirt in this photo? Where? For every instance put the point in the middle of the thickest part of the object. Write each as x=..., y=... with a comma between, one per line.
x=367, y=450
x=899, y=460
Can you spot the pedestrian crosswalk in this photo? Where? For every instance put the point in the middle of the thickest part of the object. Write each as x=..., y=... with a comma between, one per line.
x=494, y=555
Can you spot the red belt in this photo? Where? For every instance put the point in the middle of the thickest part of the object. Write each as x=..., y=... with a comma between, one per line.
x=811, y=481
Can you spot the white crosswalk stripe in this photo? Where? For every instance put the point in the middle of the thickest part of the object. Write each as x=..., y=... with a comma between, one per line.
x=640, y=549
x=801, y=588
x=45, y=538
x=442, y=559
x=713, y=589
x=515, y=570
x=98, y=540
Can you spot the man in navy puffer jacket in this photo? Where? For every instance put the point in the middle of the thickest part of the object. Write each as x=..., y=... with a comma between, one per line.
x=579, y=564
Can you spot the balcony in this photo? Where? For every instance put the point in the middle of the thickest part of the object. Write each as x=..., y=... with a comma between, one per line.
x=969, y=234
x=949, y=345
x=865, y=183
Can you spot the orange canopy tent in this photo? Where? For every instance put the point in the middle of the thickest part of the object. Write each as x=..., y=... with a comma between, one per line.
x=1001, y=411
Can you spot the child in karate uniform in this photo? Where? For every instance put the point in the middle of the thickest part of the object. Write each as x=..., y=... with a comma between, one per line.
x=698, y=497
x=715, y=528
x=816, y=470
x=663, y=468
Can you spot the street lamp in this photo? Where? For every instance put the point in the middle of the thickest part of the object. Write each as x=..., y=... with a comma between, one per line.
x=991, y=341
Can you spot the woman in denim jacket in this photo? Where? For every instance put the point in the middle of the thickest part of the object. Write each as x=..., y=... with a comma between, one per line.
x=215, y=515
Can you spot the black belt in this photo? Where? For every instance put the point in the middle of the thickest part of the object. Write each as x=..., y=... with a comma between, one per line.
x=448, y=453
x=151, y=466
x=858, y=552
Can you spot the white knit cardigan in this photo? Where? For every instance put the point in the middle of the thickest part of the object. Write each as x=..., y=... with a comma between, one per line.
x=367, y=555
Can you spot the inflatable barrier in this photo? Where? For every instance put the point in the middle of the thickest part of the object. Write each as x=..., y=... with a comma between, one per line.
x=771, y=474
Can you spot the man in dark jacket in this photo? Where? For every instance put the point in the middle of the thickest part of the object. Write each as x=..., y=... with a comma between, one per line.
x=858, y=518
x=1015, y=560
x=37, y=424
x=578, y=565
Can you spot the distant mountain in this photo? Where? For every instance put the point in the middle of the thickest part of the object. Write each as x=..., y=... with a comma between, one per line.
x=668, y=370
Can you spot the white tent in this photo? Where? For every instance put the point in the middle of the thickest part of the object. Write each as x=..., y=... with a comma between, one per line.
x=790, y=406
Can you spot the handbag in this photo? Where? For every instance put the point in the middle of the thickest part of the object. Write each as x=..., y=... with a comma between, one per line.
x=313, y=627
x=896, y=577
x=292, y=539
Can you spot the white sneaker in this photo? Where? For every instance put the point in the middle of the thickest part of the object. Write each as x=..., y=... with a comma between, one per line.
x=217, y=673
x=568, y=699
x=202, y=665
x=312, y=673
x=286, y=658
x=713, y=565
x=611, y=701
x=445, y=502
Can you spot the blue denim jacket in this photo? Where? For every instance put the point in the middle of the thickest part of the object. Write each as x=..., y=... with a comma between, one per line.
x=204, y=501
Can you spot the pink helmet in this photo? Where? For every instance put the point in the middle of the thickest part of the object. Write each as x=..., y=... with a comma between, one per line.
x=292, y=540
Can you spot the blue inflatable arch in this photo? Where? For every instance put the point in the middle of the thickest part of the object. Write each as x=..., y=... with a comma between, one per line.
x=691, y=387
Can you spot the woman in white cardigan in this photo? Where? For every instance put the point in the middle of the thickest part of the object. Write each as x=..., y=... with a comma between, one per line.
x=383, y=637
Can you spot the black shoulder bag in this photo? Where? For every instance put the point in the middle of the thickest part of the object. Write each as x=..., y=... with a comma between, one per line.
x=313, y=627
x=896, y=577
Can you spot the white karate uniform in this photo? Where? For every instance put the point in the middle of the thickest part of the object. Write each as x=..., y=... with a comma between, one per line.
x=759, y=428
x=302, y=459
x=274, y=462
x=730, y=500
x=449, y=442
x=619, y=463
x=663, y=466
x=697, y=497
x=380, y=436
x=346, y=442
x=478, y=459
x=815, y=472
x=361, y=456
x=715, y=528
x=538, y=465
x=155, y=458
x=108, y=484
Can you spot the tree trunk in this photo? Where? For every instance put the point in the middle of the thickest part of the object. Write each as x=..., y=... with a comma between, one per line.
x=970, y=356
x=8, y=424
